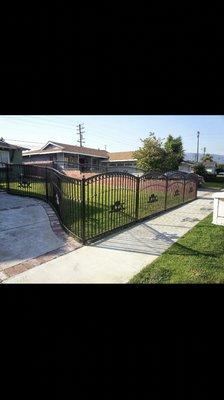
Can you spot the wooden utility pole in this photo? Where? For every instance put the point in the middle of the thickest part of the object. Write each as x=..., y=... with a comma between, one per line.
x=198, y=134
x=80, y=132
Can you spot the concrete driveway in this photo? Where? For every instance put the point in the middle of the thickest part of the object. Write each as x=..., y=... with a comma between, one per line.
x=25, y=232
x=118, y=257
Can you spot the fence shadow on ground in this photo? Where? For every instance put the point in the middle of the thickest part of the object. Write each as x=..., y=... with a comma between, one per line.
x=150, y=241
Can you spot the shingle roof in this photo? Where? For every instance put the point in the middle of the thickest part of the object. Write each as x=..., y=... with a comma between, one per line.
x=209, y=163
x=70, y=148
x=5, y=145
x=188, y=162
x=121, y=155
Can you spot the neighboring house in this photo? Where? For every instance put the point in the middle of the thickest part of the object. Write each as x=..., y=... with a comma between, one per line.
x=84, y=159
x=210, y=167
x=10, y=153
x=66, y=156
x=186, y=166
x=122, y=161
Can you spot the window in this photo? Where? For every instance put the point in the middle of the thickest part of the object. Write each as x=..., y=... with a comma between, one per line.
x=4, y=156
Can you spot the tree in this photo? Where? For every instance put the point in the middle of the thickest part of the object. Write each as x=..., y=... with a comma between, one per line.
x=154, y=156
x=199, y=169
x=207, y=158
x=174, y=152
x=151, y=156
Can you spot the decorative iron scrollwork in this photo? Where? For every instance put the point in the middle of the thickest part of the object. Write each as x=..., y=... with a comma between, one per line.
x=191, y=189
x=152, y=198
x=176, y=193
x=117, y=206
x=57, y=198
x=24, y=182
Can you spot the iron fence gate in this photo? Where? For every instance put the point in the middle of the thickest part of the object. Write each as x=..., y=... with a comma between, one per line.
x=92, y=207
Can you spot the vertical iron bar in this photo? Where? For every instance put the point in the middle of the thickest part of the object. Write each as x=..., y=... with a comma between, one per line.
x=78, y=192
x=196, y=188
x=137, y=199
x=95, y=197
x=165, y=207
x=126, y=191
x=108, y=201
x=133, y=196
x=74, y=207
x=99, y=205
x=103, y=219
x=87, y=209
x=46, y=177
x=184, y=190
x=83, y=211
x=7, y=177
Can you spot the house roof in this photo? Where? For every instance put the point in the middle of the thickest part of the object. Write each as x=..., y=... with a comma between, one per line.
x=188, y=162
x=9, y=146
x=209, y=163
x=122, y=156
x=63, y=147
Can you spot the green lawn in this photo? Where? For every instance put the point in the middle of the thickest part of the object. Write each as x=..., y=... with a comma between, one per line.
x=215, y=183
x=198, y=257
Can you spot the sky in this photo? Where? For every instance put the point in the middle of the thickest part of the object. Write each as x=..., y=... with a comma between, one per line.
x=116, y=132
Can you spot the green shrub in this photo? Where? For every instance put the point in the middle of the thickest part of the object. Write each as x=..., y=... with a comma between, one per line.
x=199, y=169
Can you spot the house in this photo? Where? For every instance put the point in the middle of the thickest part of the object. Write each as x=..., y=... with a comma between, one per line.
x=66, y=156
x=75, y=158
x=10, y=153
x=123, y=161
x=210, y=167
x=186, y=166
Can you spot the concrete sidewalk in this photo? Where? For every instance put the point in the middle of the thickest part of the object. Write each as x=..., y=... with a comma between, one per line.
x=119, y=257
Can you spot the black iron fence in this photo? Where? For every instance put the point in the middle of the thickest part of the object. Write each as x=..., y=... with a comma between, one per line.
x=89, y=208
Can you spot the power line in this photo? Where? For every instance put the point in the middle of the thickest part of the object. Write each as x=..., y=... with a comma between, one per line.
x=24, y=141
x=35, y=124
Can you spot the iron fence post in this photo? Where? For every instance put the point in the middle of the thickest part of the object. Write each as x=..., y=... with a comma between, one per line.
x=184, y=189
x=7, y=177
x=196, y=188
x=46, y=178
x=83, y=211
x=137, y=199
x=165, y=206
